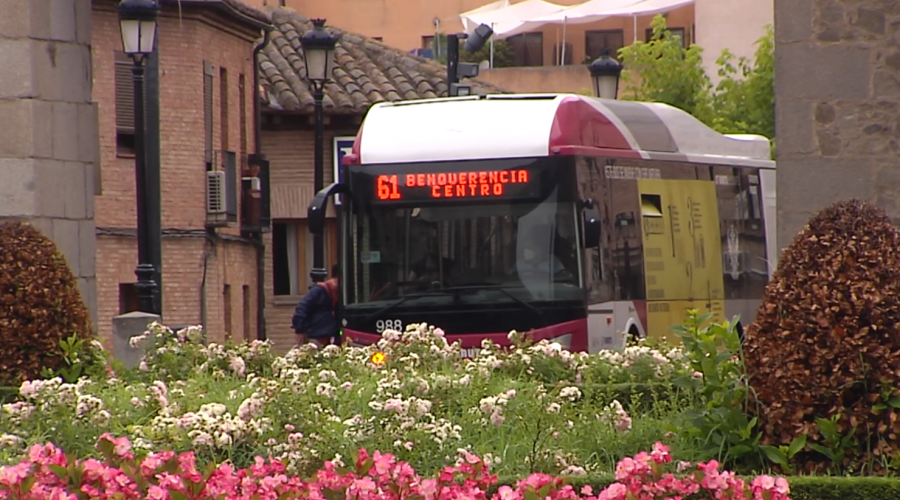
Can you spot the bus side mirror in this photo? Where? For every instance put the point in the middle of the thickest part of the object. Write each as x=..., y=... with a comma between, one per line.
x=591, y=228
x=315, y=213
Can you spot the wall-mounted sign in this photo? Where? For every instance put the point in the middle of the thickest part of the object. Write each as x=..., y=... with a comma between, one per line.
x=341, y=146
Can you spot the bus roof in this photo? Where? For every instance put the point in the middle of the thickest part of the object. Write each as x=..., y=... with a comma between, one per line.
x=530, y=125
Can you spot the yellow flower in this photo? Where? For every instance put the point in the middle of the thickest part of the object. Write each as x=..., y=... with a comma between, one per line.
x=378, y=358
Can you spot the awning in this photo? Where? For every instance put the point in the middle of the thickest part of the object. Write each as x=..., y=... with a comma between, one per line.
x=511, y=20
x=587, y=12
x=469, y=26
x=532, y=14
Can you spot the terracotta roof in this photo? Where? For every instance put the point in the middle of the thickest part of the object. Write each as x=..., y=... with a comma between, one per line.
x=367, y=71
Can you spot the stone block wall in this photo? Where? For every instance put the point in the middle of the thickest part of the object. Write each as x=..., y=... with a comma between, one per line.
x=48, y=139
x=837, y=86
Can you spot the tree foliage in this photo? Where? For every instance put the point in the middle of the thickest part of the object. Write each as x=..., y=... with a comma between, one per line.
x=503, y=54
x=743, y=101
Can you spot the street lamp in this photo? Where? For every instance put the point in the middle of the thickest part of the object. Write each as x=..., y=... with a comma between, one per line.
x=318, y=54
x=605, y=72
x=137, y=20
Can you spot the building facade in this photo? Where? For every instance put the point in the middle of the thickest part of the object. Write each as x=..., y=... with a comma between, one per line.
x=536, y=55
x=206, y=132
x=837, y=92
x=367, y=72
x=48, y=143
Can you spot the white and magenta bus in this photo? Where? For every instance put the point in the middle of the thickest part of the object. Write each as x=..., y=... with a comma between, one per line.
x=580, y=220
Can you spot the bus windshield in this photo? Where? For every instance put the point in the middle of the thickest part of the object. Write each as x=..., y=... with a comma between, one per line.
x=431, y=254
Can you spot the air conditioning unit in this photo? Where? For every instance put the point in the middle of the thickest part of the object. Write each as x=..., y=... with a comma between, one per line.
x=215, y=193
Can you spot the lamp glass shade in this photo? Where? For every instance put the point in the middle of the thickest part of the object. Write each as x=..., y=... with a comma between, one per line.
x=318, y=51
x=606, y=86
x=137, y=36
x=316, y=63
x=137, y=22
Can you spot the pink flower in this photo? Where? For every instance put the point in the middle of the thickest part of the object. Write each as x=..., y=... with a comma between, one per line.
x=615, y=491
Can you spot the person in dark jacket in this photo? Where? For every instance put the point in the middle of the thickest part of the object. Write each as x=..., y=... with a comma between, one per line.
x=315, y=317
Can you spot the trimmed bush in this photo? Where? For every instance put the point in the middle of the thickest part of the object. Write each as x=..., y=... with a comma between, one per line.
x=802, y=487
x=40, y=304
x=822, y=354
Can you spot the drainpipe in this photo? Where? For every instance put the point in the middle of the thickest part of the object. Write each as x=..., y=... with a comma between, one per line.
x=264, y=198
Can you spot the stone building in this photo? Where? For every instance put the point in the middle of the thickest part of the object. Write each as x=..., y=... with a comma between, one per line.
x=837, y=88
x=205, y=69
x=367, y=72
x=48, y=142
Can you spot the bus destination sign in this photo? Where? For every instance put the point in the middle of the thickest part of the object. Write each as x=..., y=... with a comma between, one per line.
x=480, y=184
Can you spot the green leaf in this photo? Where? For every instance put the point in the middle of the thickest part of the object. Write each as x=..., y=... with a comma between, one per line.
x=797, y=444
x=894, y=401
x=59, y=471
x=177, y=495
x=774, y=455
x=823, y=450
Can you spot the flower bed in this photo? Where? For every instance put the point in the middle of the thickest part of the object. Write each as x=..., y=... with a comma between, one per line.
x=48, y=473
x=532, y=408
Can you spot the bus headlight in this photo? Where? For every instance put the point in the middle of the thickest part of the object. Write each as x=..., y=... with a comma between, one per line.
x=564, y=341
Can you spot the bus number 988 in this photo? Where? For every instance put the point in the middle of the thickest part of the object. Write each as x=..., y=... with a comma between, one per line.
x=388, y=324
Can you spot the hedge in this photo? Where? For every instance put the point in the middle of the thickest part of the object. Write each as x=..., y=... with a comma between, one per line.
x=802, y=487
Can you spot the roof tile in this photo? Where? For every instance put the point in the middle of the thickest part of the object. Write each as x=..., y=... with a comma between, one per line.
x=366, y=71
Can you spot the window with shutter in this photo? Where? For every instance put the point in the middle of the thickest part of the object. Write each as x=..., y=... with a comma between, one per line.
x=124, y=105
x=598, y=41
x=208, y=74
x=527, y=49
x=223, y=108
x=231, y=185
x=242, y=121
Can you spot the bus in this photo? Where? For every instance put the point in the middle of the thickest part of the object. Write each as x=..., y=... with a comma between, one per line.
x=583, y=221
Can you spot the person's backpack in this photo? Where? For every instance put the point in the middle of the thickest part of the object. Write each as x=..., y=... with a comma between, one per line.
x=331, y=290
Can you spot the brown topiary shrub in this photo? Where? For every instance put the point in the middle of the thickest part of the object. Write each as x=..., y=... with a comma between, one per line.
x=39, y=304
x=825, y=341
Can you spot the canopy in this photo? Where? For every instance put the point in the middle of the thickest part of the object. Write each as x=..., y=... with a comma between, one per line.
x=469, y=26
x=510, y=20
x=647, y=7
x=529, y=15
x=587, y=12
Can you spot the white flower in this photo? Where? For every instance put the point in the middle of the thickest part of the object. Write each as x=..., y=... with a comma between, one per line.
x=10, y=441
x=237, y=365
x=553, y=408
x=571, y=393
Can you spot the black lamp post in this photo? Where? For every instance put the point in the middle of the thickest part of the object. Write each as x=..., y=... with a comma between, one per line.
x=137, y=20
x=318, y=54
x=605, y=72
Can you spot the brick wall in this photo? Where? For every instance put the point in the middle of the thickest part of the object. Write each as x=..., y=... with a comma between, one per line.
x=186, y=40
x=290, y=153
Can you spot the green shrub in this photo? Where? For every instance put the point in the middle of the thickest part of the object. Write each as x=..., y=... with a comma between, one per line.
x=802, y=487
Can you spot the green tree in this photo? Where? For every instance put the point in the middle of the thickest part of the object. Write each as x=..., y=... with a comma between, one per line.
x=503, y=55
x=743, y=102
x=745, y=97
x=662, y=70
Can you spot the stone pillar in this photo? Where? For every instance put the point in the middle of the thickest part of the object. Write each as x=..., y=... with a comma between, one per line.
x=125, y=327
x=837, y=98
x=49, y=141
